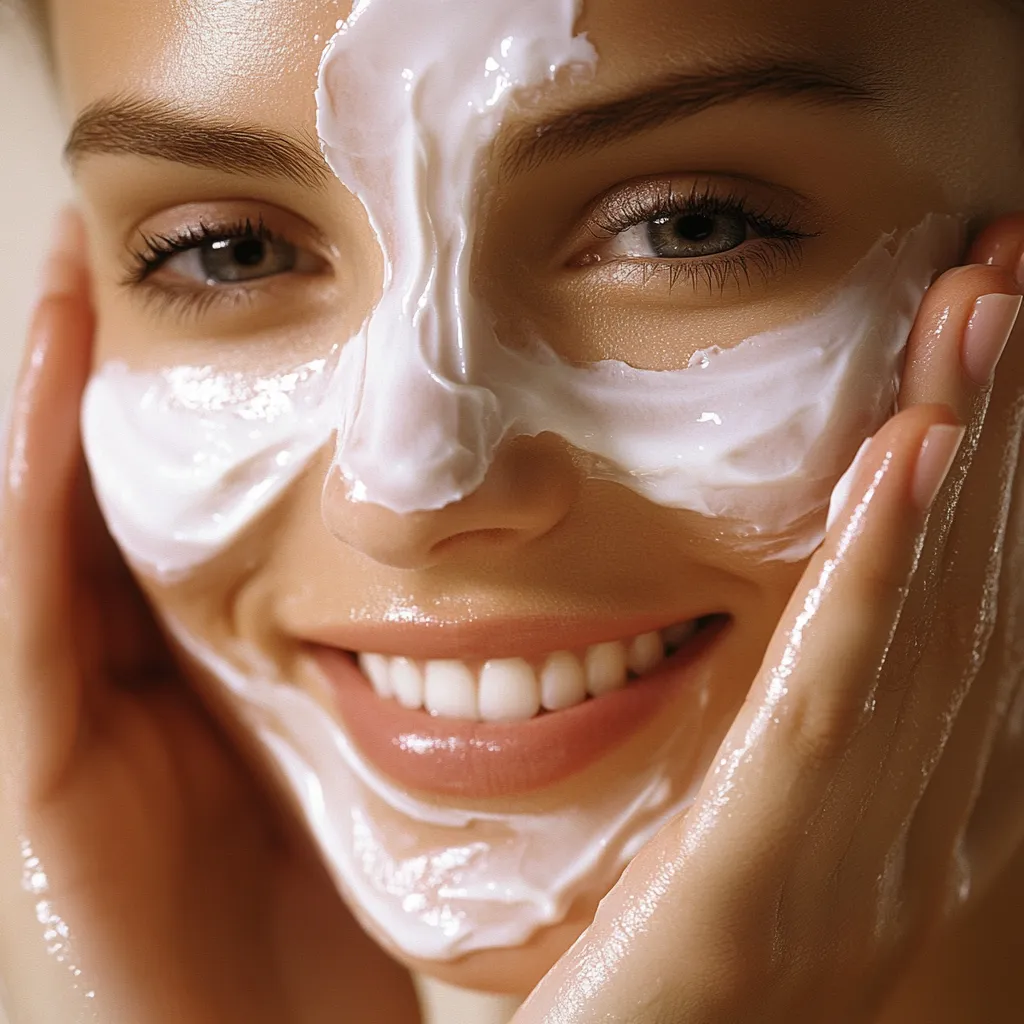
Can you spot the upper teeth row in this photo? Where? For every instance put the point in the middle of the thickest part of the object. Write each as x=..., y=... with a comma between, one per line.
x=512, y=689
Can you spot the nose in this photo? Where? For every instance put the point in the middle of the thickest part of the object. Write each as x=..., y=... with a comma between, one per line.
x=528, y=490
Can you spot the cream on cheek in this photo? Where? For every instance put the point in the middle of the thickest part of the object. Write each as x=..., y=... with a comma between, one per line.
x=418, y=401
x=756, y=433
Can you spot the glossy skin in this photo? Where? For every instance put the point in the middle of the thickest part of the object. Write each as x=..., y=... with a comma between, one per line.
x=861, y=172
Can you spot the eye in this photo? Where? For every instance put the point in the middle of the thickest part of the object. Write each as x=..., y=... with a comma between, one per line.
x=222, y=256
x=654, y=222
x=233, y=260
x=675, y=236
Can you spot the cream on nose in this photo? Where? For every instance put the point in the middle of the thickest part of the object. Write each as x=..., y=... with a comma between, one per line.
x=412, y=439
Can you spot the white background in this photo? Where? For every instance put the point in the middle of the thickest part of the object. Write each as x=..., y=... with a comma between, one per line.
x=32, y=189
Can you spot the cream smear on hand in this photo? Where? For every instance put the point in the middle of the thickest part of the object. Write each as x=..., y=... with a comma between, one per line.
x=412, y=93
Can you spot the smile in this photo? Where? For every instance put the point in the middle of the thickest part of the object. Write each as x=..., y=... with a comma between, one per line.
x=516, y=689
x=478, y=728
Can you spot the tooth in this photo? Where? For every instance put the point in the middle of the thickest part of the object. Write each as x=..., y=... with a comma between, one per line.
x=605, y=665
x=407, y=681
x=377, y=669
x=676, y=636
x=450, y=690
x=508, y=691
x=562, y=682
x=646, y=651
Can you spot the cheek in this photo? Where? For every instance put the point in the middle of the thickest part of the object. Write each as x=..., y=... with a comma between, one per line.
x=186, y=459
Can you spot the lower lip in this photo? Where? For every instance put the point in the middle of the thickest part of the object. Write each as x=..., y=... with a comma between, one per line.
x=481, y=760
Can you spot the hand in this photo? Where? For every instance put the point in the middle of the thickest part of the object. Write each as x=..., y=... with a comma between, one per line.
x=160, y=883
x=842, y=820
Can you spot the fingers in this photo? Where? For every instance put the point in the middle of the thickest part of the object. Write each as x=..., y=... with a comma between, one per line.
x=928, y=736
x=961, y=330
x=709, y=890
x=41, y=691
x=1001, y=244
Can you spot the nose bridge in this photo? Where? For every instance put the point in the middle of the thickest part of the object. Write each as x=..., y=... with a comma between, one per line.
x=406, y=115
x=416, y=440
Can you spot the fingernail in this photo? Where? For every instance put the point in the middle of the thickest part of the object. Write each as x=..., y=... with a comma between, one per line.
x=934, y=462
x=61, y=271
x=988, y=331
x=842, y=490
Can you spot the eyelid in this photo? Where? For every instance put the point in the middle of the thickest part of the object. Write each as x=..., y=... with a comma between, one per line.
x=228, y=218
x=634, y=202
x=188, y=300
x=778, y=215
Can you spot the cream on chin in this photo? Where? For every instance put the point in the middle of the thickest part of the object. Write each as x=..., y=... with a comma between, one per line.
x=433, y=881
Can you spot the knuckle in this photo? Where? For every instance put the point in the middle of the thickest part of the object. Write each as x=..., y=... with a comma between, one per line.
x=824, y=723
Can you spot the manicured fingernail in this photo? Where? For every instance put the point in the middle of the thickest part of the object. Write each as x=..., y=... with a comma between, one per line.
x=842, y=490
x=934, y=462
x=61, y=272
x=987, y=333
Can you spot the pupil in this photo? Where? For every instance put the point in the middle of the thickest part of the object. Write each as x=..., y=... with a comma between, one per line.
x=695, y=235
x=249, y=252
x=694, y=227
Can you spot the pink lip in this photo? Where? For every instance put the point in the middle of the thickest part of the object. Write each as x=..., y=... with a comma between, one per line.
x=481, y=760
x=514, y=638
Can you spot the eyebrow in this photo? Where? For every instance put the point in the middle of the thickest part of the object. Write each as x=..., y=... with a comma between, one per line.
x=683, y=95
x=153, y=128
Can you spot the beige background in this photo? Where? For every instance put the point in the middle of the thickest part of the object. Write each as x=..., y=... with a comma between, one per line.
x=32, y=188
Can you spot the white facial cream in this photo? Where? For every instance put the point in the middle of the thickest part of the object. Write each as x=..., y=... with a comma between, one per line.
x=412, y=94
x=184, y=459
x=436, y=882
x=419, y=400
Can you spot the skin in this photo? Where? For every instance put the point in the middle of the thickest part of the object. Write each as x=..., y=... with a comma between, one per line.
x=150, y=813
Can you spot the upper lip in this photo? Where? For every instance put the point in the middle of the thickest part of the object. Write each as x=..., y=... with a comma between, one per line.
x=489, y=638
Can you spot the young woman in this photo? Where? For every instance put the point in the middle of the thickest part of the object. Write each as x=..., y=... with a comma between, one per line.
x=810, y=752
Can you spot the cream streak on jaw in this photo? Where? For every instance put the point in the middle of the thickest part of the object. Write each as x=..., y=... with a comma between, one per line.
x=184, y=459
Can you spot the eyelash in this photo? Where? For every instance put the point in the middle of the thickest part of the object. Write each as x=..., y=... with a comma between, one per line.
x=784, y=248
x=161, y=248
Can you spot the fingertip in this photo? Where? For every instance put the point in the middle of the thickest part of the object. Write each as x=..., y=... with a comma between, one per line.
x=64, y=268
x=941, y=350
x=900, y=441
x=1001, y=244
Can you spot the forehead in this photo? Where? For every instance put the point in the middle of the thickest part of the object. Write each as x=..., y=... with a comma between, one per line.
x=257, y=59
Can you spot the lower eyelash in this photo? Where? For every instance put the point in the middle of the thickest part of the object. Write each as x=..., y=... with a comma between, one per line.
x=715, y=273
x=191, y=302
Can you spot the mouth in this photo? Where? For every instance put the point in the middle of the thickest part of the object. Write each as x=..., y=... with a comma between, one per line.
x=518, y=689
x=481, y=727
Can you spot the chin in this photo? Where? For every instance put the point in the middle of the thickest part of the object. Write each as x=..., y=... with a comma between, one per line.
x=513, y=971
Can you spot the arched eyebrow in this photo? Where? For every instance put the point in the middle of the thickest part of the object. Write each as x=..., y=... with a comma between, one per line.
x=679, y=96
x=142, y=127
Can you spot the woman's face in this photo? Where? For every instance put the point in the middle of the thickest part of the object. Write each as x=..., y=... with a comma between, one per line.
x=901, y=110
